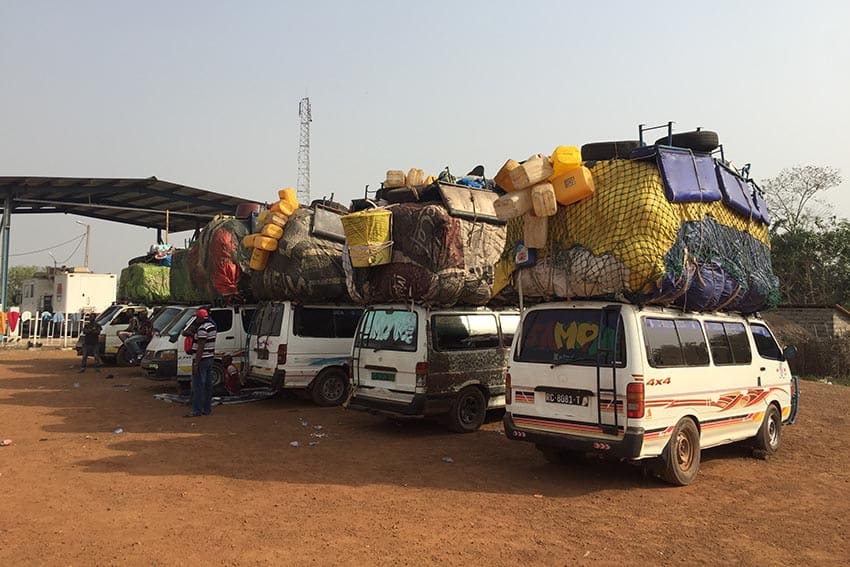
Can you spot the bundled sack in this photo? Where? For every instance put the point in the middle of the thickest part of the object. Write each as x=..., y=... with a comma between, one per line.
x=144, y=283
x=307, y=265
x=630, y=240
x=180, y=280
x=437, y=260
x=218, y=261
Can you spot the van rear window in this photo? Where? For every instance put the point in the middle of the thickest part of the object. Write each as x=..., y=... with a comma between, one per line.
x=388, y=329
x=582, y=337
x=325, y=322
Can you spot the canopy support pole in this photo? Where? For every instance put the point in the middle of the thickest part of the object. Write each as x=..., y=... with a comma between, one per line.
x=4, y=249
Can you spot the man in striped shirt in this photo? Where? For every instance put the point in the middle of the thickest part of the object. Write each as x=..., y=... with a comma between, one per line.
x=203, y=352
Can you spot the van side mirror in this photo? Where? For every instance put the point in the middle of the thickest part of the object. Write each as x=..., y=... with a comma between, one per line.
x=790, y=352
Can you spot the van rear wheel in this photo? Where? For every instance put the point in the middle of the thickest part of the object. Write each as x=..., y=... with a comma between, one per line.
x=330, y=387
x=468, y=411
x=682, y=454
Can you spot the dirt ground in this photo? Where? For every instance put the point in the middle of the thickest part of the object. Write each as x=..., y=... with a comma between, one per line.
x=229, y=489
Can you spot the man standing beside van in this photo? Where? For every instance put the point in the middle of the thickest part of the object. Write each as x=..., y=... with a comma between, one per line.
x=203, y=355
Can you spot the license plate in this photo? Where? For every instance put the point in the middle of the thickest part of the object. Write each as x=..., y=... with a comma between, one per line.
x=383, y=376
x=568, y=399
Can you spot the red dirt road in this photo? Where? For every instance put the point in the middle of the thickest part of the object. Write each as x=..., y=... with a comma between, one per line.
x=229, y=489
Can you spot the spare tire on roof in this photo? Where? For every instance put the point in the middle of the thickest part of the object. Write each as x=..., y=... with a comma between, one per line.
x=598, y=151
x=698, y=140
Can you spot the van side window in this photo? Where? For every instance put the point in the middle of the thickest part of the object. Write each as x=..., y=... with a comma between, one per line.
x=247, y=317
x=326, y=323
x=729, y=343
x=765, y=343
x=122, y=318
x=509, y=323
x=675, y=342
x=465, y=332
x=223, y=319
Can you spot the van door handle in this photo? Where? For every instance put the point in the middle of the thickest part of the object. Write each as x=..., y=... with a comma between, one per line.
x=762, y=369
x=235, y=337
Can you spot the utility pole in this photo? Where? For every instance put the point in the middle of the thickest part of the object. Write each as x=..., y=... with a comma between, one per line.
x=88, y=233
x=302, y=186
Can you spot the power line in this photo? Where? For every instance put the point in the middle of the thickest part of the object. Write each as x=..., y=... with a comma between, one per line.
x=80, y=238
x=77, y=247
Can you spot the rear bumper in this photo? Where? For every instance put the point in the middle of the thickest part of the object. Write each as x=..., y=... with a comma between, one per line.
x=627, y=447
x=419, y=405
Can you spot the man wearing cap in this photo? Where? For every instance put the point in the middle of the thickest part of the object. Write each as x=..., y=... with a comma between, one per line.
x=203, y=353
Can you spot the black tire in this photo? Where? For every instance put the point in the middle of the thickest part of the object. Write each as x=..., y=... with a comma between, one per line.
x=122, y=357
x=698, y=140
x=468, y=411
x=769, y=437
x=598, y=151
x=330, y=388
x=217, y=378
x=682, y=454
x=558, y=456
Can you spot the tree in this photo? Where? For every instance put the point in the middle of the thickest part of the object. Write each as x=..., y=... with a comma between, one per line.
x=793, y=197
x=17, y=275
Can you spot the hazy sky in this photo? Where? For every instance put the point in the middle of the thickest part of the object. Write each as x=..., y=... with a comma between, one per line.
x=205, y=93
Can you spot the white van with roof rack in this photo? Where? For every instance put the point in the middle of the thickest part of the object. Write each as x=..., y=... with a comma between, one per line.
x=303, y=347
x=646, y=383
x=409, y=361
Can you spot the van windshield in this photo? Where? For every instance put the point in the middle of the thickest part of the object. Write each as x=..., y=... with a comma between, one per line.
x=571, y=336
x=388, y=329
x=179, y=323
x=107, y=315
x=165, y=316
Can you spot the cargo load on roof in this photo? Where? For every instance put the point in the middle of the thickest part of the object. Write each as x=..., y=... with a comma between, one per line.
x=667, y=226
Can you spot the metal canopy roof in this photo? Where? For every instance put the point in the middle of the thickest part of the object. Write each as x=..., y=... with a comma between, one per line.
x=140, y=202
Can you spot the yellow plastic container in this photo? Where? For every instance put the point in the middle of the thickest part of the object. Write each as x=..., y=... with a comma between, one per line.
x=265, y=243
x=259, y=259
x=513, y=205
x=272, y=231
x=543, y=200
x=261, y=218
x=276, y=218
x=369, y=237
x=288, y=203
x=535, y=231
x=248, y=240
x=503, y=178
x=573, y=186
x=565, y=159
x=536, y=169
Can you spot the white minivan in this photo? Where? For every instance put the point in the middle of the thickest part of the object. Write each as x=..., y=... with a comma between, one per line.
x=303, y=347
x=409, y=361
x=646, y=383
x=165, y=358
x=114, y=318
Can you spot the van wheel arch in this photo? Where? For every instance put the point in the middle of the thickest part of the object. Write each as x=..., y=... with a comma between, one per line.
x=330, y=387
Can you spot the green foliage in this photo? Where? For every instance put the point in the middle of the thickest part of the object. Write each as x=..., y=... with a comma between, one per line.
x=17, y=275
x=813, y=266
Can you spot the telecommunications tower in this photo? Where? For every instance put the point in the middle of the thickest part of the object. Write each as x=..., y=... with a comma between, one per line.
x=302, y=185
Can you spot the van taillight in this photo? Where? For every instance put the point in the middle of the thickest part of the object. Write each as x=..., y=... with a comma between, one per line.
x=281, y=355
x=508, y=395
x=635, y=399
x=421, y=374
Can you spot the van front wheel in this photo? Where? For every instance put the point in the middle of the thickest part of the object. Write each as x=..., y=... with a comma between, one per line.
x=468, y=411
x=330, y=387
x=682, y=454
x=769, y=437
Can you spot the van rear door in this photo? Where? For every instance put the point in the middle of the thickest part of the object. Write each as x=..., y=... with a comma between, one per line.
x=267, y=336
x=566, y=365
x=389, y=343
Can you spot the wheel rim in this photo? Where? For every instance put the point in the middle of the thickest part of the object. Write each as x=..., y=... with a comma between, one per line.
x=773, y=431
x=333, y=389
x=684, y=451
x=469, y=410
